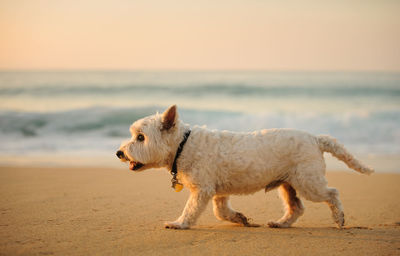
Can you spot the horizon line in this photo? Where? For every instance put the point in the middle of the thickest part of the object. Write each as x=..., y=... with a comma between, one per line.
x=272, y=70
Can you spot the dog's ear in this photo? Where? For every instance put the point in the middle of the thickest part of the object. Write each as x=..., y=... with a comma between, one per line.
x=169, y=117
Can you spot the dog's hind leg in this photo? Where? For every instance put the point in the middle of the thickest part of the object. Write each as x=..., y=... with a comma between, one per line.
x=294, y=207
x=313, y=186
x=329, y=196
x=336, y=207
x=223, y=211
x=194, y=206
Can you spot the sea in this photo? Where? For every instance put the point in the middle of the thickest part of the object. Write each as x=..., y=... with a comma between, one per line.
x=81, y=117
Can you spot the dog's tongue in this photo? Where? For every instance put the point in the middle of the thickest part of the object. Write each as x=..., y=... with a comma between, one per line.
x=131, y=165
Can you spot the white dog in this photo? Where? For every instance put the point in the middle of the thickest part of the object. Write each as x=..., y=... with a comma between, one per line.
x=216, y=164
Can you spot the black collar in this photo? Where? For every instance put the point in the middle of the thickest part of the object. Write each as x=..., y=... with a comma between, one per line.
x=174, y=169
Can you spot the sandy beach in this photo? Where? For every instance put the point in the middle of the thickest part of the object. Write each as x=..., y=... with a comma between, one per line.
x=108, y=211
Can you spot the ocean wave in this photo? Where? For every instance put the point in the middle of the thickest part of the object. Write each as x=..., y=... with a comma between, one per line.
x=77, y=121
x=204, y=90
x=104, y=128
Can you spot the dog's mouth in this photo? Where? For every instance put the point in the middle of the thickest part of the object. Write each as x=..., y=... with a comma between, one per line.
x=134, y=166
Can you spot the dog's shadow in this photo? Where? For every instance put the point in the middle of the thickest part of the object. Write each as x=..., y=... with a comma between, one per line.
x=265, y=229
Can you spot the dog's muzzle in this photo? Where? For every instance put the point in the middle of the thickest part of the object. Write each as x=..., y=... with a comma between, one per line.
x=132, y=164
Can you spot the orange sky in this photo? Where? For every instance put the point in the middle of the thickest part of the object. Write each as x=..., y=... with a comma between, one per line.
x=221, y=34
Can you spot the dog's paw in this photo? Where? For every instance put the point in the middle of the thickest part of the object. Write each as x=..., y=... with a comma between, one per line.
x=243, y=220
x=340, y=220
x=175, y=225
x=274, y=224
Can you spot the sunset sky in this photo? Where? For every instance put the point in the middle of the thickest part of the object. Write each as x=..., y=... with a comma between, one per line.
x=222, y=34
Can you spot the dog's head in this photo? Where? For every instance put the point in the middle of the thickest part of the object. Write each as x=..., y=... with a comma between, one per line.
x=152, y=140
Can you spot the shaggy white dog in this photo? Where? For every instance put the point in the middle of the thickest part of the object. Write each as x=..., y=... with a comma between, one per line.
x=216, y=164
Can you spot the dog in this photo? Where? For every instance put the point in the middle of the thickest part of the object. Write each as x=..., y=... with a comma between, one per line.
x=217, y=164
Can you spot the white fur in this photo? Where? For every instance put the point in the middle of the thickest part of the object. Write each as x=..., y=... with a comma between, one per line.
x=216, y=164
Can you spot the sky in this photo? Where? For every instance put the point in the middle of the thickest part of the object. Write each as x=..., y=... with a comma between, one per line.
x=345, y=35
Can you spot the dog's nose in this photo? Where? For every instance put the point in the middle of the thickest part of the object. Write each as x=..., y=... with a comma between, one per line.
x=120, y=154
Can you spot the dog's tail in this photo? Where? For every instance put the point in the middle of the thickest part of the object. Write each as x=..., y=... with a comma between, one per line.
x=329, y=144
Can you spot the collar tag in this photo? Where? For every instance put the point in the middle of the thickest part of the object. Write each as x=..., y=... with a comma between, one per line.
x=176, y=185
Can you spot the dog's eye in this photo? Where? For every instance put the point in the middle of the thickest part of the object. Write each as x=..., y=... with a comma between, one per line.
x=140, y=137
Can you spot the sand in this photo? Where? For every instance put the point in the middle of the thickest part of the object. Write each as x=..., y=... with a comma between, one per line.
x=108, y=211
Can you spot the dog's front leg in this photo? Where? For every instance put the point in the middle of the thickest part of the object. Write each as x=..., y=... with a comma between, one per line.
x=194, y=206
x=223, y=211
